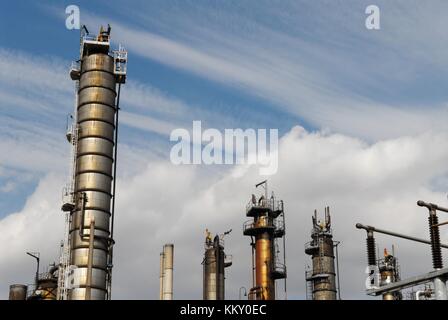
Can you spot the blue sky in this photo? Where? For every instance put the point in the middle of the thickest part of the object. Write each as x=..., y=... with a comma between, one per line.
x=231, y=64
x=327, y=70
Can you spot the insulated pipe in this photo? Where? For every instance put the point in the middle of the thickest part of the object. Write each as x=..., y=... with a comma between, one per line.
x=431, y=206
x=168, y=253
x=90, y=260
x=394, y=234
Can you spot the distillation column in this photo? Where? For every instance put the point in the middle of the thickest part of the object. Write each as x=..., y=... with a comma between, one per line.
x=266, y=227
x=94, y=174
x=321, y=248
x=214, y=265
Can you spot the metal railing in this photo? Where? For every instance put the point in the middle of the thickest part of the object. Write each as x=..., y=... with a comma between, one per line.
x=90, y=37
x=311, y=245
x=76, y=65
x=270, y=204
x=279, y=268
x=120, y=60
x=276, y=224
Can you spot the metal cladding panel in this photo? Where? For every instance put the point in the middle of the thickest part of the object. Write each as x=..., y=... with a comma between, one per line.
x=323, y=292
x=99, y=243
x=97, y=79
x=98, y=278
x=213, y=276
x=81, y=256
x=323, y=264
x=263, y=262
x=95, y=200
x=97, y=129
x=101, y=219
x=96, y=111
x=96, y=95
x=80, y=293
x=98, y=61
x=94, y=163
x=93, y=181
x=17, y=292
x=210, y=275
x=93, y=145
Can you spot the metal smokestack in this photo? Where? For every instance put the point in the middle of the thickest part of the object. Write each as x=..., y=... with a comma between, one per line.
x=167, y=274
x=214, y=264
x=161, y=277
x=321, y=279
x=98, y=78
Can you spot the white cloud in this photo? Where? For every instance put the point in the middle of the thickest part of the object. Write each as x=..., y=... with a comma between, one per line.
x=328, y=82
x=375, y=184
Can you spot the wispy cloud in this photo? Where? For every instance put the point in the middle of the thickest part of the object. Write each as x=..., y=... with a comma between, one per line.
x=328, y=82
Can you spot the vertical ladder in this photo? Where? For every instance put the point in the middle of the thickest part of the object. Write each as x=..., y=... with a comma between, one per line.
x=69, y=199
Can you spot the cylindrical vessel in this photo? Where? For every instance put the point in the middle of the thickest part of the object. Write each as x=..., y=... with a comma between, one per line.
x=17, y=292
x=264, y=260
x=94, y=174
x=387, y=277
x=168, y=254
x=161, y=277
x=213, y=272
x=324, y=287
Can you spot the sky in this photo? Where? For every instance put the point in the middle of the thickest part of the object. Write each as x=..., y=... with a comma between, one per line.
x=361, y=116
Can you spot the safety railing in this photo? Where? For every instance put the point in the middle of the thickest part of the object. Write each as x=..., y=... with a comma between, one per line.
x=269, y=204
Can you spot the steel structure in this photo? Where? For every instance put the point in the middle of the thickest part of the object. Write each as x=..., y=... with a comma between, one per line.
x=214, y=263
x=321, y=279
x=266, y=228
x=389, y=273
x=86, y=257
x=438, y=276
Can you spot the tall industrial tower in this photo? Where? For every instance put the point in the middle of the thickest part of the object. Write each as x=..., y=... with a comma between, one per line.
x=214, y=263
x=265, y=231
x=89, y=203
x=321, y=279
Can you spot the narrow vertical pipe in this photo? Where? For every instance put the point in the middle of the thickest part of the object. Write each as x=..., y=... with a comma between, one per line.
x=284, y=247
x=90, y=260
x=161, y=277
x=337, y=271
x=114, y=186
